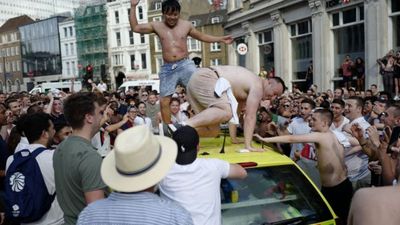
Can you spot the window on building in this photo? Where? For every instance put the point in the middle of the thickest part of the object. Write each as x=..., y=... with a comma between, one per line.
x=131, y=38
x=395, y=17
x=348, y=36
x=193, y=44
x=118, y=38
x=17, y=50
x=144, y=61
x=157, y=42
x=73, y=67
x=301, y=39
x=140, y=13
x=65, y=32
x=71, y=31
x=7, y=67
x=142, y=39
x=117, y=60
x=215, y=47
x=266, y=48
x=133, y=67
x=350, y=16
x=72, y=47
x=129, y=12
x=395, y=6
x=215, y=62
x=347, y=16
x=157, y=6
x=157, y=18
x=97, y=9
x=159, y=63
x=237, y=4
x=116, y=13
x=18, y=66
x=396, y=31
x=66, y=49
x=215, y=20
x=68, y=68
x=1, y=67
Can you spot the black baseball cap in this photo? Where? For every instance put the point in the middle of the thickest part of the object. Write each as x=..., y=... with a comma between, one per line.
x=187, y=139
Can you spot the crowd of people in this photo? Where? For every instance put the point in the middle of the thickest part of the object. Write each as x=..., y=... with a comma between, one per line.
x=361, y=125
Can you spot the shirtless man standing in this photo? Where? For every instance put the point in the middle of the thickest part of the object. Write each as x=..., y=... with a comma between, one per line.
x=336, y=187
x=212, y=109
x=173, y=33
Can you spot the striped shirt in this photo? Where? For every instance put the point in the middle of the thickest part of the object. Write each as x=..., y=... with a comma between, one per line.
x=134, y=209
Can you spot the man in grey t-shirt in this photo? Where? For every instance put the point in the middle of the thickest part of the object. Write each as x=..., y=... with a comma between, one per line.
x=76, y=163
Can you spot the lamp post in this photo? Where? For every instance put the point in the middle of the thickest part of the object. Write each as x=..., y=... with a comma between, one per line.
x=3, y=54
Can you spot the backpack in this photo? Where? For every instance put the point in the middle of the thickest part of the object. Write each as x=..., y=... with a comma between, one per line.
x=26, y=196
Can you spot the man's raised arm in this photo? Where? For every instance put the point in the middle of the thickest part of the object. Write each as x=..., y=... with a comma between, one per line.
x=315, y=137
x=209, y=38
x=145, y=28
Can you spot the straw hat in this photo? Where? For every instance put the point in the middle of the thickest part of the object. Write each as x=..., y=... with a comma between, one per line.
x=139, y=160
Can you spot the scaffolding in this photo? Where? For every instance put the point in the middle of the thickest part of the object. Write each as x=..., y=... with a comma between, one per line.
x=91, y=38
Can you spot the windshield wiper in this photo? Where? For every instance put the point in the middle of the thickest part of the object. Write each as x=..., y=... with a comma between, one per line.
x=295, y=220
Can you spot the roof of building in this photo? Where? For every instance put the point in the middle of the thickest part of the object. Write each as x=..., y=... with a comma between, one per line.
x=205, y=19
x=14, y=23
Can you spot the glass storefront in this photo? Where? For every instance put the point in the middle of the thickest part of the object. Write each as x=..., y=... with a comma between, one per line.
x=40, y=44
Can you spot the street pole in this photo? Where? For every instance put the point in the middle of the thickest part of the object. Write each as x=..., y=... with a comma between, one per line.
x=4, y=70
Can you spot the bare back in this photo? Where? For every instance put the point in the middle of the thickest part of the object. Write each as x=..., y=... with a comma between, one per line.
x=330, y=155
x=242, y=81
x=173, y=40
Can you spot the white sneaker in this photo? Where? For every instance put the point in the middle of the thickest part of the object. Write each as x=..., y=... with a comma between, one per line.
x=396, y=98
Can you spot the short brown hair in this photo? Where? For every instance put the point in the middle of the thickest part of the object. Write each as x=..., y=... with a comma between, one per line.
x=78, y=105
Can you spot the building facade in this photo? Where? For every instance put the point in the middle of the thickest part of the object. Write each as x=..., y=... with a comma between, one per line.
x=287, y=36
x=10, y=54
x=34, y=9
x=41, y=53
x=69, y=55
x=211, y=54
x=129, y=52
x=91, y=39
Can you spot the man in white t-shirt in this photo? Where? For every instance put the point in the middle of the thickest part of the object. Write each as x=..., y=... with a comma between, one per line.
x=195, y=183
x=356, y=160
x=102, y=86
x=299, y=125
x=31, y=124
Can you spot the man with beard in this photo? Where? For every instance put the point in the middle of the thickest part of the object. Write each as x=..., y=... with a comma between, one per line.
x=173, y=33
